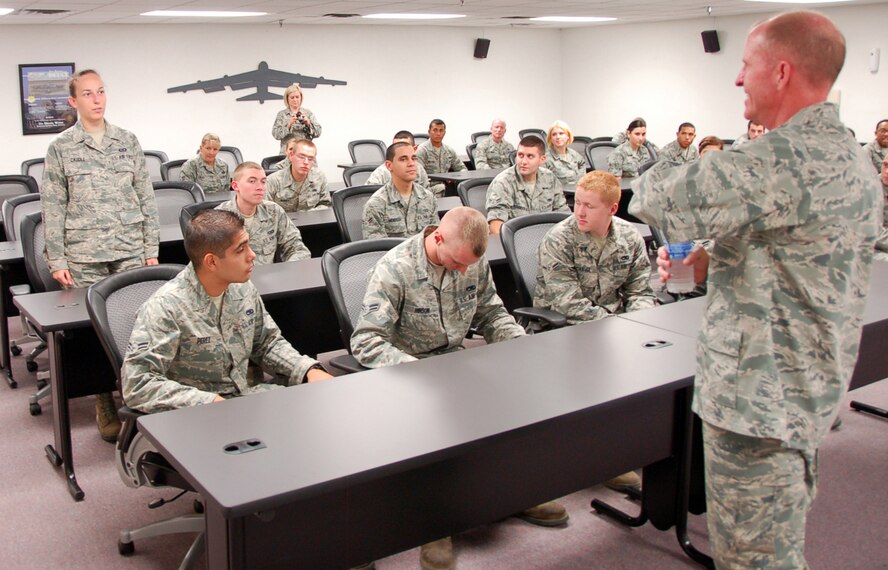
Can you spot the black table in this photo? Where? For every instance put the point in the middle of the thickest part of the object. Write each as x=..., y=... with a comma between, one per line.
x=452, y=179
x=366, y=465
x=12, y=272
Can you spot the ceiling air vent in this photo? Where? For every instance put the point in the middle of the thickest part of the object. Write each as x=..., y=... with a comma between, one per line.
x=38, y=12
x=342, y=15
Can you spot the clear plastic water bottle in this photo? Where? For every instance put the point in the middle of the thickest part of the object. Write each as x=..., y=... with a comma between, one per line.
x=682, y=276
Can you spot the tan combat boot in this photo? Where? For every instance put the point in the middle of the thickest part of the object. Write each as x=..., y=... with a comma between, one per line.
x=106, y=417
x=437, y=555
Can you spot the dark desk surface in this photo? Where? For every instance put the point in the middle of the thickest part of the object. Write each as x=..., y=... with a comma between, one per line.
x=10, y=252
x=354, y=428
x=460, y=176
x=682, y=317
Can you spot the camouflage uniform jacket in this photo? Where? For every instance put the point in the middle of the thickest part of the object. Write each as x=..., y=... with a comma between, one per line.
x=740, y=141
x=675, y=153
x=508, y=196
x=310, y=194
x=279, y=129
x=882, y=242
x=271, y=232
x=438, y=160
x=568, y=169
x=383, y=175
x=794, y=219
x=623, y=161
x=622, y=137
x=212, y=179
x=98, y=201
x=386, y=214
x=585, y=282
x=406, y=316
x=182, y=352
x=491, y=155
x=876, y=153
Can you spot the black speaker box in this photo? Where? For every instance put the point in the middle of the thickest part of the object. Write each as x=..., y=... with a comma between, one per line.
x=710, y=41
x=481, y=47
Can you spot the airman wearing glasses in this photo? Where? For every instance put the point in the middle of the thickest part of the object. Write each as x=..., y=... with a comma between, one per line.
x=302, y=186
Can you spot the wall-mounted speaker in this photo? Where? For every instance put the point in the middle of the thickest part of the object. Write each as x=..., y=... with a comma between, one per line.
x=710, y=41
x=481, y=47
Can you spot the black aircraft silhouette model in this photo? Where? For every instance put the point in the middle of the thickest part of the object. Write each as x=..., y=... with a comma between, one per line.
x=260, y=80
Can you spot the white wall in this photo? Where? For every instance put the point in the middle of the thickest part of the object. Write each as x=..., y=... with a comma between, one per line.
x=396, y=79
x=659, y=71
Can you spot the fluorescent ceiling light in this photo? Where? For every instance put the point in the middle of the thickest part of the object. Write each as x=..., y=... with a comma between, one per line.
x=800, y=1
x=413, y=16
x=4, y=11
x=572, y=19
x=201, y=14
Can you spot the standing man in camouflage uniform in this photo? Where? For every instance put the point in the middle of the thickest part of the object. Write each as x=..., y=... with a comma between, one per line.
x=98, y=205
x=753, y=131
x=382, y=175
x=194, y=338
x=682, y=149
x=882, y=242
x=272, y=233
x=494, y=152
x=302, y=186
x=436, y=156
x=526, y=188
x=878, y=147
x=422, y=298
x=794, y=219
x=400, y=208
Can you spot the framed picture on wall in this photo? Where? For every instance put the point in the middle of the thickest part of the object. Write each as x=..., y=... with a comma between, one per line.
x=44, y=97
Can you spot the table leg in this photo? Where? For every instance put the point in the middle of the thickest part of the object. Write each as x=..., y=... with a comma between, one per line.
x=5, y=359
x=683, y=492
x=62, y=454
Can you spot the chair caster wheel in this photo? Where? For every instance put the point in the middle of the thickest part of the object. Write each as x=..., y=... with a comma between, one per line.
x=198, y=507
x=125, y=548
x=41, y=384
x=31, y=366
x=35, y=409
x=15, y=350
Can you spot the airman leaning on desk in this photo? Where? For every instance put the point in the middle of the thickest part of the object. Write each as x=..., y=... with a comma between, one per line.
x=494, y=152
x=382, y=175
x=422, y=298
x=194, y=338
x=401, y=208
x=98, y=204
x=794, y=217
x=302, y=186
x=436, y=156
x=206, y=170
x=526, y=188
x=271, y=231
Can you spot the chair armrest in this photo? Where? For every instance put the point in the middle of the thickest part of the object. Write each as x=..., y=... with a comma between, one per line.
x=347, y=363
x=17, y=290
x=664, y=298
x=552, y=318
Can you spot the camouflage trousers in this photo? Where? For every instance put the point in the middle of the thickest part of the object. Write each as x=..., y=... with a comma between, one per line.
x=757, y=498
x=85, y=274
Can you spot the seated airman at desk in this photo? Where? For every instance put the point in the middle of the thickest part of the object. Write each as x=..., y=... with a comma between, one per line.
x=422, y=298
x=629, y=157
x=682, y=149
x=271, y=231
x=194, y=338
x=210, y=174
x=302, y=186
x=494, y=152
x=401, y=208
x=526, y=188
x=436, y=156
x=382, y=175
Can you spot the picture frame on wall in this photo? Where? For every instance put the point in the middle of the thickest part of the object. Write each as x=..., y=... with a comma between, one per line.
x=44, y=96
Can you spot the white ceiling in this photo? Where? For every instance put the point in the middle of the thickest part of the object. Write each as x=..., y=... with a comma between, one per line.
x=480, y=13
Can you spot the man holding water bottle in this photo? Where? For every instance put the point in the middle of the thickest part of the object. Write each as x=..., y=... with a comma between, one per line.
x=793, y=220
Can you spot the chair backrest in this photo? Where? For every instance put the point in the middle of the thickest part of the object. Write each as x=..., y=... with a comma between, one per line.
x=597, y=153
x=189, y=211
x=535, y=132
x=346, y=270
x=357, y=175
x=14, y=185
x=730, y=142
x=39, y=275
x=521, y=241
x=33, y=167
x=602, y=139
x=348, y=207
x=646, y=166
x=367, y=151
x=580, y=146
x=270, y=161
x=419, y=138
x=231, y=155
x=154, y=159
x=171, y=170
x=513, y=157
x=171, y=197
x=480, y=136
x=473, y=193
x=470, y=151
x=650, y=146
x=15, y=209
x=114, y=302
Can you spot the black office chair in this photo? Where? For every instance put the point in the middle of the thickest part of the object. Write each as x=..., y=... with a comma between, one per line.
x=419, y=138
x=534, y=132
x=513, y=157
x=579, y=144
x=171, y=197
x=480, y=136
x=112, y=305
x=650, y=146
x=269, y=161
x=473, y=193
x=470, y=152
x=154, y=159
x=348, y=207
x=521, y=241
x=357, y=175
x=601, y=139
x=14, y=211
x=730, y=142
x=189, y=211
x=14, y=185
x=367, y=151
x=347, y=269
x=33, y=167
x=231, y=155
x=171, y=170
x=597, y=153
